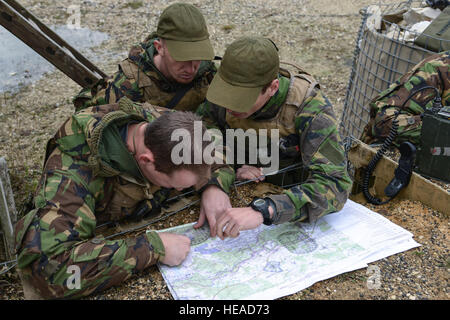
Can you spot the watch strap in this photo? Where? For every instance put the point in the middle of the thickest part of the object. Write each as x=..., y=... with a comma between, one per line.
x=264, y=210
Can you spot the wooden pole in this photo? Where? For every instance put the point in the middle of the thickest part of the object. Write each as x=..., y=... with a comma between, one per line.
x=8, y=214
x=48, y=44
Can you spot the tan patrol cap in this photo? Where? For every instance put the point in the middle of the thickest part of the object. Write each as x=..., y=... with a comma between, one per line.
x=184, y=30
x=247, y=66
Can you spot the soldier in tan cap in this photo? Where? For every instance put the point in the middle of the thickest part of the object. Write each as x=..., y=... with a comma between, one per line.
x=251, y=91
x=172, y=68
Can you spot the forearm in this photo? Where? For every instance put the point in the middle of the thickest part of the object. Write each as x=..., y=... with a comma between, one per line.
x=320, y=195
x=223, y=177
x=131, y=254
x=92, y=266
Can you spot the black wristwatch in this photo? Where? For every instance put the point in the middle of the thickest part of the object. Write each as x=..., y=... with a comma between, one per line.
x=262, y=205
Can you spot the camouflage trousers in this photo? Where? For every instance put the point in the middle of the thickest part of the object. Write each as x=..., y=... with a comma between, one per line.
x=87, y=268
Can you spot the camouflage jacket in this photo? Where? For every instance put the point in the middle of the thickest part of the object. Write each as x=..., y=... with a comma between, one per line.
x=306, y=114
x=140, y=81
x=78, y=190
x=433, y=71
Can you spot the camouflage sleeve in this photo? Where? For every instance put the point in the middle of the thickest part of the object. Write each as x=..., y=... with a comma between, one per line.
x=107, y=91
x=223, y=175
x=205, y=111
x=328, y=184
x=202, y=110
x=433, y=71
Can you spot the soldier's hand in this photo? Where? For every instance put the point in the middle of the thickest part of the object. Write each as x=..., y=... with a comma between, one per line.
x=214, y=204
x=237, y=219
x=250, y=173
x=176, y=246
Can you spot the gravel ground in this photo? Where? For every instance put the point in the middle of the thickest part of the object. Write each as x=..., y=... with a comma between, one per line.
x=317, y=34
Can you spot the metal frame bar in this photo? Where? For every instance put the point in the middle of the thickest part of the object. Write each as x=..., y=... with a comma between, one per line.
x=48, y=44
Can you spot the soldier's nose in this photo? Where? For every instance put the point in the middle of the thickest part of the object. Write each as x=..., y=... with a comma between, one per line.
x=191, y=66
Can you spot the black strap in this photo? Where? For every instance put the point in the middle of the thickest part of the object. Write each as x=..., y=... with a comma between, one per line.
x=179, y=95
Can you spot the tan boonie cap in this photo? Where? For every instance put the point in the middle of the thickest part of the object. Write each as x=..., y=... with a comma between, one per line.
x=247, y=66
x=184, y=30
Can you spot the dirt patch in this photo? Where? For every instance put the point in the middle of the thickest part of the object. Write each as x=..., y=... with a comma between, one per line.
x=319, y=35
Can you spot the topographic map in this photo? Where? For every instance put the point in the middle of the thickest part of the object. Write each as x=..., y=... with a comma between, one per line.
x=272, y=261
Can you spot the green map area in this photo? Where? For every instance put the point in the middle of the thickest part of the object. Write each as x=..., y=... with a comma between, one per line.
x=258, y=261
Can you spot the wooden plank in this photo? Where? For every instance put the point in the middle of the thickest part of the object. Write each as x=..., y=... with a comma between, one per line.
x=55, y=37
x=4, y=251
x=8, y=214
x=418, y=188
x=48, y=44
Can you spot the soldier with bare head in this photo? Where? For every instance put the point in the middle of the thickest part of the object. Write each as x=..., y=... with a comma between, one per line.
x=107, y=163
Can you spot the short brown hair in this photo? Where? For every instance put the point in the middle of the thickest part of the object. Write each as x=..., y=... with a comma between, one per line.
x=158, y=139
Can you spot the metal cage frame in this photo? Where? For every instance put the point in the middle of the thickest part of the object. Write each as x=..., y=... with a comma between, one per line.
x=378, y=61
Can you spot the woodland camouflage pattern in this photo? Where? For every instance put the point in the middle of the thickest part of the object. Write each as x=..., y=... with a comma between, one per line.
x=305, y=112
x=77, y=191
x=432, y=71
x=140, y=81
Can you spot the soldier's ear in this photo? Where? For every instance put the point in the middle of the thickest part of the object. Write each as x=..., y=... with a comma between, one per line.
x=157, y=43
x=274, y=85
x=147, y=157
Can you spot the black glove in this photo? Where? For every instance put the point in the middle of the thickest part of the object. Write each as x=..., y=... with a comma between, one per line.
x=144, y=209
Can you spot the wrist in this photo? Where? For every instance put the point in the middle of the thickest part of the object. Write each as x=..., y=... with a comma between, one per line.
x=211, y=188
x=258, y=216
x=266, y=209
x=156, y=243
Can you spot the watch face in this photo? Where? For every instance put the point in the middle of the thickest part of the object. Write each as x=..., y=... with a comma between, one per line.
x=259, y=202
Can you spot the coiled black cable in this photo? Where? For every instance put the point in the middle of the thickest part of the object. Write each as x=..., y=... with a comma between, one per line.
x=373, y=163
x=387, y=143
